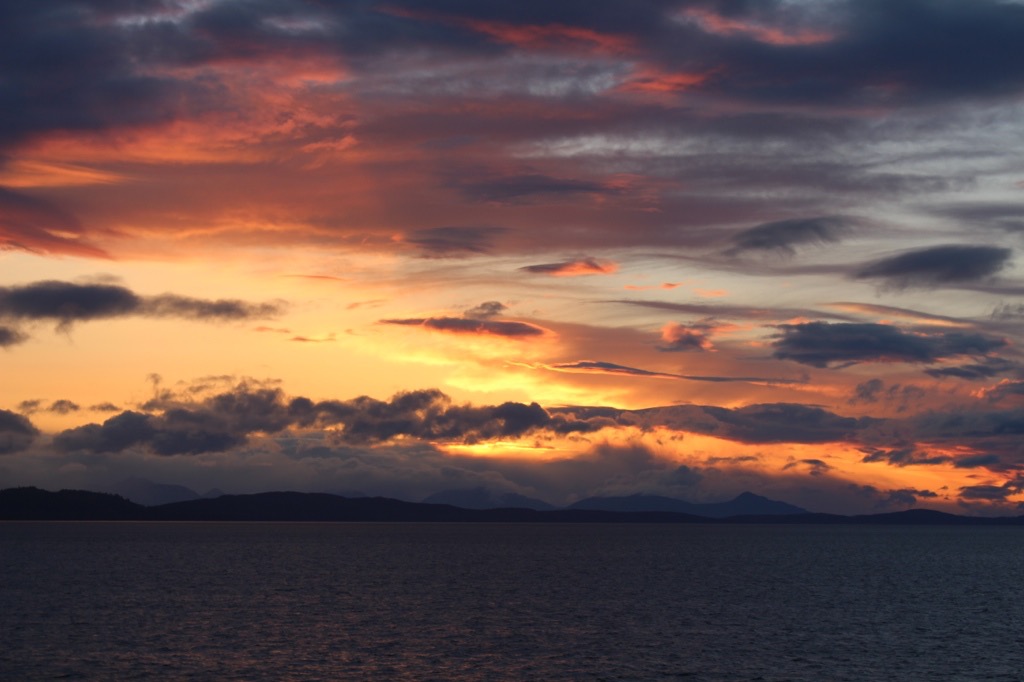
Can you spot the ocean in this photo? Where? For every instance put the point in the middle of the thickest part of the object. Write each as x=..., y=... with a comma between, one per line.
x=376, y=601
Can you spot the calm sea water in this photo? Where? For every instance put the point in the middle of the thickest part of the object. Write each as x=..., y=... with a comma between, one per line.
x=239, y=601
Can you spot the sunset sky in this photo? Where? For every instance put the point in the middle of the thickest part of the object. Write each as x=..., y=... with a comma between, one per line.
x=557, y=248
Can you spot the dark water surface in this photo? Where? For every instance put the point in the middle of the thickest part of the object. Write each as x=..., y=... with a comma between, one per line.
x=245, y=601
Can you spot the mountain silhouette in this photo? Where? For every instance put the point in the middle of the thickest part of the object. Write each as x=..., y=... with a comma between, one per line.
x=34, y=504
x=744, y=504
x=484, y=498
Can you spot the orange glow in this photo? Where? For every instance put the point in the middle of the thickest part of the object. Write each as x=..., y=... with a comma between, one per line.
x=551, y=35
x=715, y=23
x=651, y=80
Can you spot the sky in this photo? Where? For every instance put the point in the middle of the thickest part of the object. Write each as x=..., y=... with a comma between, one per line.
x=553, y=248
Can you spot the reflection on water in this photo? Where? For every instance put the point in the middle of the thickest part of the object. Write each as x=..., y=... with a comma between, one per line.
x=509, y=602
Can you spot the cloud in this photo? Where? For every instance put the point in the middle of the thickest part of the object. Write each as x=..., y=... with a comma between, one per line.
x=571, y=268
x=462, y=325
x=729, y=311
x=695, y=337
x=937, y=266
x=454, y=241
x=35, y=225
x=63, y=407
x=485, y=310
x=601, y=367
x=986, y=369
x=784, y=236
x=225, y=420
x=16, y=432
x=68, y=303
x=11, y=337
x=820, y=344
x=528, y=186
x=760, y=423
x=986, y=492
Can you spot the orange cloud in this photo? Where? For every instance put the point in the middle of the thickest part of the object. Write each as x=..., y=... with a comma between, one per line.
x=551, y=35
x=716, y=23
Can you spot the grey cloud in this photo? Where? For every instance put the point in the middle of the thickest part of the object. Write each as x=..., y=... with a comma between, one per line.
x=976, y=461
x=938, y=266
x=1005, y=390
x=986, y=492
x=485, y=310
x=603, y=367
x=226, y=420
x=580, y=266
x=520, y=188
x=986, y=369
x=169, y=305
x=814, y=467
x=68, y=303
x=454, y=241
x=63, y=407
x=821, y=344
x=16, y=432
x=725, y=310
x=463, y=325
x=784, y=236
x=902, y=457
x=11, y=337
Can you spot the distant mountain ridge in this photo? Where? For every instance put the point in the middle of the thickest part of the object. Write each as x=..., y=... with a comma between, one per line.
x=34, y=504
x=744, y=504
x=484, y=498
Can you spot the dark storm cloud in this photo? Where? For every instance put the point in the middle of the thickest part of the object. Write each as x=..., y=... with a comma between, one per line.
x=820, y=344
x=68, y=303
x=16, y=432
x=226, y=420
x=520, y=188
x=938, y=266
x=785, y=235
x=454, y=241
x=463, y=325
